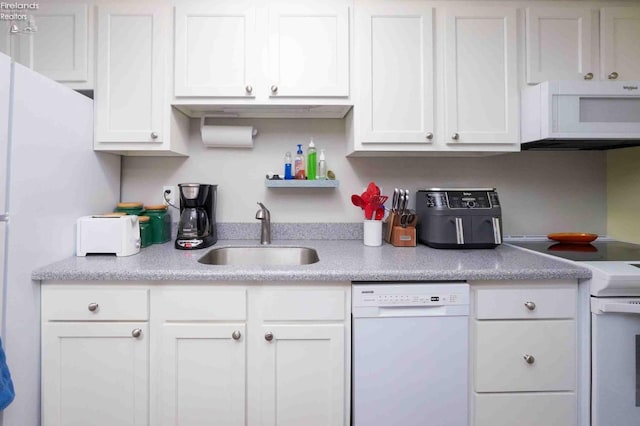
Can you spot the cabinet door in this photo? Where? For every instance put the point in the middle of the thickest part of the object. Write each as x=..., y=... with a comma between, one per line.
x=302, y=375
x=5, y=37
x=550, y=348
x=559, y=44
x=525, y=409
x=215, y=49
x=395, y=48
x=129, y=89
x=95, y=373
x=481, y=90
x=60, y=44
x=620, y=43
x=203, y=374
x=308, y=50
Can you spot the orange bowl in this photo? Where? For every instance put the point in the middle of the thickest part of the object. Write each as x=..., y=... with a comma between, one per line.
x=572, y=237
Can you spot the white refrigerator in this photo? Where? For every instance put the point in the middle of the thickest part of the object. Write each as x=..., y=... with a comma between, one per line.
x=49, y=176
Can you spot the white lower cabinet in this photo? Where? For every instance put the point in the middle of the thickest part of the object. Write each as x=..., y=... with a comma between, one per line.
x=524, y=353
x=526, y=409
x=203, y=374
x=94, y=370
x=250, y=355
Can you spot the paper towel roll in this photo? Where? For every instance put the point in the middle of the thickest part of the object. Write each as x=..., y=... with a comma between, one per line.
x=227, y=136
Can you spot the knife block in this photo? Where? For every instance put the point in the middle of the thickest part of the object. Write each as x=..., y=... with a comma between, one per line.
x=403, y=237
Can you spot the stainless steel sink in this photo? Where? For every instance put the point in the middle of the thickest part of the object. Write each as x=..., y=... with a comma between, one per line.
x=261, y=255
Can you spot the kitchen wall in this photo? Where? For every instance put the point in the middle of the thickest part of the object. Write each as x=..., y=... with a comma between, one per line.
x=540, y=192
x=623, y=194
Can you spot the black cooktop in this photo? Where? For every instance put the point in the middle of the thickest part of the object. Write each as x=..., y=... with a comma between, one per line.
x=596, y=251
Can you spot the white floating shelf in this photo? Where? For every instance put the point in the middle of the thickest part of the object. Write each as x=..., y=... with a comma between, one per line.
x=298, y=183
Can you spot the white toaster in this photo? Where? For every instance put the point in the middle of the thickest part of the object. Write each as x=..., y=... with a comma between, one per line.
x=119, y=235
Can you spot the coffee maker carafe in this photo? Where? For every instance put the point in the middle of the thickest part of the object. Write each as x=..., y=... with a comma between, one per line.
x=197, y=226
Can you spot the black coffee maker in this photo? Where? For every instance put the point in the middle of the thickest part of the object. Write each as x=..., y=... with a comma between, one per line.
x=197, y=226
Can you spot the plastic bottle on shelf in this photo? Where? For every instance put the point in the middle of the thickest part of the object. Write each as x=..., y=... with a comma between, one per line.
x=322, y=166
x=287, y=166
x=299, y=164
x=311, y=161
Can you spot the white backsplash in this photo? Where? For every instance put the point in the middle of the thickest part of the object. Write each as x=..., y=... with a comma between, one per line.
x=540, y=192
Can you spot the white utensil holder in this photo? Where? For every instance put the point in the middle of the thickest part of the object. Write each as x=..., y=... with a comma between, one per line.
x=372, y=233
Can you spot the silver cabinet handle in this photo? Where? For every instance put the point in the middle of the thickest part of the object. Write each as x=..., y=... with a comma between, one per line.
x=588, y=76
x=459, y=231
x=429, y=135
x=274, y=89
x=268, y=336
x=529, y=359
x=154, y=135
x=93, y=307
x=612, y=76
x=497, y=235
x=530, y=305
x=455, y=136
x=249, y=88
x=236, y=335
x=136, y=333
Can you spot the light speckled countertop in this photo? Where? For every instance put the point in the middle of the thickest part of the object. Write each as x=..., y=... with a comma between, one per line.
x=340, y=260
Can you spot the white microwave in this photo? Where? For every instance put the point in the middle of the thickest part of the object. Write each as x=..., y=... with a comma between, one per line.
x=581, y=115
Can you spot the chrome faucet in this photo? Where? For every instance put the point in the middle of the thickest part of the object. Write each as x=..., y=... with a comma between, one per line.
x=265, y=217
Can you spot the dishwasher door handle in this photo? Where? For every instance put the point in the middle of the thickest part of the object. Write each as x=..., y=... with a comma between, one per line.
x=422, y=311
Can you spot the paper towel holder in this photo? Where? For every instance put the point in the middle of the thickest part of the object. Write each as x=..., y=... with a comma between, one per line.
x=226, y=136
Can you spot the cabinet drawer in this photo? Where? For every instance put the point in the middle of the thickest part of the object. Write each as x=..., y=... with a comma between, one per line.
x=502, y=345
x=95, y=304
x=526, y=303
x=539, y=409
x=304, y=304
x=200, y=303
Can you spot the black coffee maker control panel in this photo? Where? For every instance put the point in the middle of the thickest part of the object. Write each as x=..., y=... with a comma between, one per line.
x=461, y=199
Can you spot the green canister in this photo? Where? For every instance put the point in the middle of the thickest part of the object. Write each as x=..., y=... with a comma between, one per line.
x=146, y=233
x=160, y=223
x=130, y=208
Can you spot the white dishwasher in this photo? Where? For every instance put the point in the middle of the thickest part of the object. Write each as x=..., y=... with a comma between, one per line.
x=410, y=346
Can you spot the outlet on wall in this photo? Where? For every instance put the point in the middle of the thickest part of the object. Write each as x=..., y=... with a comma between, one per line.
x=170, y=192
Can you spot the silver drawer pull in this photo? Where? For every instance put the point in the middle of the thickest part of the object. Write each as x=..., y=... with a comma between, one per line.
x=588, y=76
x=136, y=332
x=93, y=307
x=530, y=305
x=529, y=359
x=236, y=335
x=268, y=336
x=613, y=76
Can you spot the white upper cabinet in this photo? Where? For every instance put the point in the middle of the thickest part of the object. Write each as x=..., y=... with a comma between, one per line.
x=215, y=49
x=394, y=49
x=129, y=91
x=5, y=38
x=308, y=50
x=620, y=43
x=256, y=53
x=480, y=77
x=54, y=40
x=559, y=42
x=60, y=46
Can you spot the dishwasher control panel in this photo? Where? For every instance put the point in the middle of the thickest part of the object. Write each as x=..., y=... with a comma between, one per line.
x=410, y=294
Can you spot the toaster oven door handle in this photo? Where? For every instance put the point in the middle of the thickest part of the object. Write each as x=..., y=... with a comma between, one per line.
x=459, y=231
x=497, y=235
